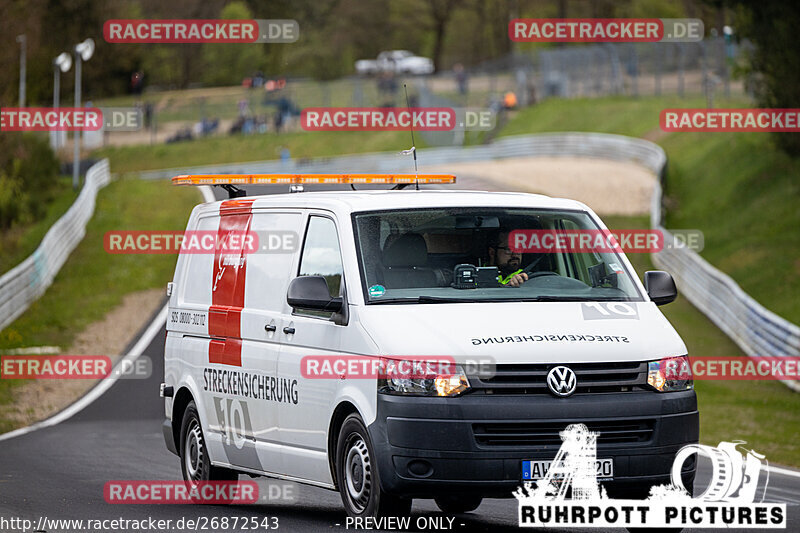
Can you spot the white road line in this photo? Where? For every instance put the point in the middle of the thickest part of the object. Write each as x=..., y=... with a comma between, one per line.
x=787, y=495
x=34, y=350
x=101, y=387
x=784, y=471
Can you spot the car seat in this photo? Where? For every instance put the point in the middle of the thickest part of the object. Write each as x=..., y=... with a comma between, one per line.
x=405, y=263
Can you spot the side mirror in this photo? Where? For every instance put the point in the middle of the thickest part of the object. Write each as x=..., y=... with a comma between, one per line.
x=660, y=286
x=311, y=292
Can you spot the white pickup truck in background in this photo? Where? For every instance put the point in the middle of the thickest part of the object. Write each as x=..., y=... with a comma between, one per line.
x=397, y=62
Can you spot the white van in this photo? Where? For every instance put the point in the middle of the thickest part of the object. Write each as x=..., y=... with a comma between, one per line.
x=415, y=274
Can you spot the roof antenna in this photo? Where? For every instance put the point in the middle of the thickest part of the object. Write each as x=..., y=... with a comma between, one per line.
x=413, y=149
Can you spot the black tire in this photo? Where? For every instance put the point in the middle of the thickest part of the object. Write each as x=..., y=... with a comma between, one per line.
x=357, y=475
x=195, y=463
x=458, y=504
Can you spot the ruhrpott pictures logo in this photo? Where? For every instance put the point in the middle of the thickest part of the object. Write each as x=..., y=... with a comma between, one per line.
x=730, y=499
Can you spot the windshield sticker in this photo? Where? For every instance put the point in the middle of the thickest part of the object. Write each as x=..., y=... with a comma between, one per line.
x=609, y=310
x=376, y=291
x=616, y=268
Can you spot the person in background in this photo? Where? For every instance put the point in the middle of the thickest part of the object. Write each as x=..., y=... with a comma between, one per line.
x=461, y=78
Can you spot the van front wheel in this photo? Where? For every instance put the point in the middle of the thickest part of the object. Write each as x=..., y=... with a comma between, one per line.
x=195, y=462
x=357, y=473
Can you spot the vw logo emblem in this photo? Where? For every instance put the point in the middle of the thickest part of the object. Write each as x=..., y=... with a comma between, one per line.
x=561, y=381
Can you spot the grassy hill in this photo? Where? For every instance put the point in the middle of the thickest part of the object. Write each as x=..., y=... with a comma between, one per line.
x=736, y=187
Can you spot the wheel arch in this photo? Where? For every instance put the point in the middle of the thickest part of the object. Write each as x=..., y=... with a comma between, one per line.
x=182, y=399
x=342, y=411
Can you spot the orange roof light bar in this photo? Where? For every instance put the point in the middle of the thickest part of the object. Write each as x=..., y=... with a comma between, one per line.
x=290, y=179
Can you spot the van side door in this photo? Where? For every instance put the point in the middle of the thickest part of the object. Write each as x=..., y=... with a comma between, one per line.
x=253, y=412
x=304, y=423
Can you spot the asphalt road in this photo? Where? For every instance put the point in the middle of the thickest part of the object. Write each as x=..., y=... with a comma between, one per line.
x=59, y=473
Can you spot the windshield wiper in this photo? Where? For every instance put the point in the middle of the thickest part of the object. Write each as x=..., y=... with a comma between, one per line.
x=425, y=299
x=578, y=299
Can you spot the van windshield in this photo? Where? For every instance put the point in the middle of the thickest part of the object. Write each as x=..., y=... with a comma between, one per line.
x=488, y=254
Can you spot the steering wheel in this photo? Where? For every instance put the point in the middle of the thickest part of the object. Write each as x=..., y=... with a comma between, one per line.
x=540, y=274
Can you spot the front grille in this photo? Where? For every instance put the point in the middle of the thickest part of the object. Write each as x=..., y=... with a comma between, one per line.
x=547, y=433
x=591, y=378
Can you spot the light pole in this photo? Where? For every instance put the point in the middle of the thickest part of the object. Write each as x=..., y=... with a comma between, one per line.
x=60, y=64
x=23, y=41
x=83, y=51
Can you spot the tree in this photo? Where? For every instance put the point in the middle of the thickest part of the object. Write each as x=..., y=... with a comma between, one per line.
x=227, y=64
x=772, y=25
x=441, y=11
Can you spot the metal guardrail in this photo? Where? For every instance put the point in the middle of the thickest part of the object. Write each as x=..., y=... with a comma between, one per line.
x=26, y=282
x=603, y=146
x=758, y=331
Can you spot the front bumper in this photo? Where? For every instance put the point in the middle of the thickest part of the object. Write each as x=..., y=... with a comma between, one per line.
x=169, y=436
x=427, y=447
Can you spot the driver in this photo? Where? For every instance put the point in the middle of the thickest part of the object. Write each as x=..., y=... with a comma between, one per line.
x=508, y=262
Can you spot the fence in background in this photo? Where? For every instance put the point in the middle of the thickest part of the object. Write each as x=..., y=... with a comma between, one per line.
x=586, y=70
x=598, y=145
x=22, y=285
x=757, y=331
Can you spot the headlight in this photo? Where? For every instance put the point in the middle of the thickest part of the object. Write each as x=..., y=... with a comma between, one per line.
x=421, y=379
x=670, y=374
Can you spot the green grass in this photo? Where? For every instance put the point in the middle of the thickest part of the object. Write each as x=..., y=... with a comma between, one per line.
x=241, y=148
x=20, y=241
x=620, y=115
x=737, y=188
x=745, y=196
x=92, y=282
x=766, y=414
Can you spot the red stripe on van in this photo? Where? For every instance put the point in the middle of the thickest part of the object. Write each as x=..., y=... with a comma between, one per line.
x=228, y=285
x=225, y=352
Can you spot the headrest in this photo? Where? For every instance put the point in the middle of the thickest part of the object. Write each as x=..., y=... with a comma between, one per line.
x=408, y=250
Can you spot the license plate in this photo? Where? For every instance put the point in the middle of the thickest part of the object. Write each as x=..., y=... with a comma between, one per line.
x=533, y=470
